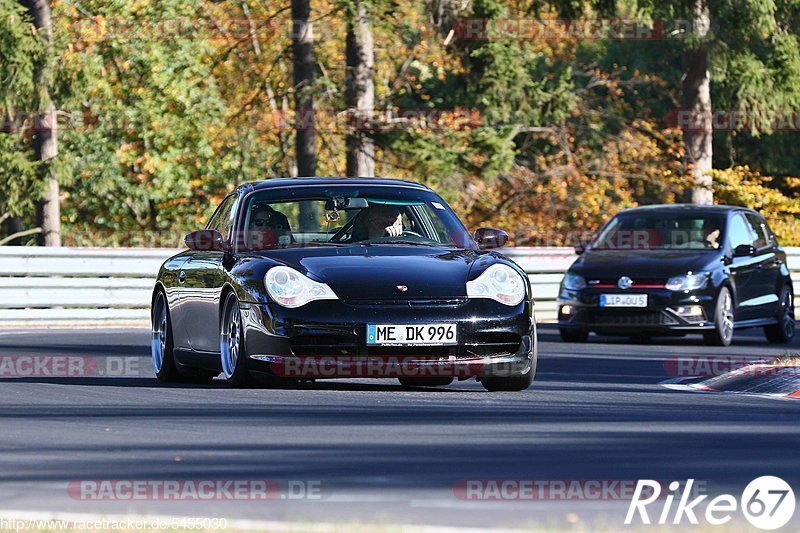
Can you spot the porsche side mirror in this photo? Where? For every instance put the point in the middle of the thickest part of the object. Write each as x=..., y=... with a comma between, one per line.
x=580, y=248
x=489, y=238
x=204, y=240
x=744, y=250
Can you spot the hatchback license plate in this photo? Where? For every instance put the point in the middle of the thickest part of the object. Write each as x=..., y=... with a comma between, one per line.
x=623, y=300
x=411, y=335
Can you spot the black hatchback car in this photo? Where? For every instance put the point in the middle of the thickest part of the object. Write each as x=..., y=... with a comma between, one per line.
x=677, y=269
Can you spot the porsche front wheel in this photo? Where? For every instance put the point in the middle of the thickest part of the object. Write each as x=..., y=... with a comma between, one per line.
x=231, y=344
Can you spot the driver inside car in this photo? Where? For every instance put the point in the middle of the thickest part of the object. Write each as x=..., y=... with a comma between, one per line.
x=266, y=228
x=711, y=233
x=377, y=220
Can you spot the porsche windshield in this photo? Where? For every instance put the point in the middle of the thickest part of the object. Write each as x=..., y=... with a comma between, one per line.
x=347, y=217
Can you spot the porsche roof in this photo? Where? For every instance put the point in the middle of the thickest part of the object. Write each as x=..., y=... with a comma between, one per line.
x=323, y=181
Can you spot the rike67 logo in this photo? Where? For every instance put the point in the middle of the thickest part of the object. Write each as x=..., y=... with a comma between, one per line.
x=767, y=502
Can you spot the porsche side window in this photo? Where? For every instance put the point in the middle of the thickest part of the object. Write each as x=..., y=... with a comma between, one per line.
x=222, y=219
x=739, y=232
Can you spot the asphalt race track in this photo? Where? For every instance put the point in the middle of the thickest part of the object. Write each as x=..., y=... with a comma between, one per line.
x=378, y=453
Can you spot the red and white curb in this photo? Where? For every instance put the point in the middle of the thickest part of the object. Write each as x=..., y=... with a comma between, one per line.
x=760, y=379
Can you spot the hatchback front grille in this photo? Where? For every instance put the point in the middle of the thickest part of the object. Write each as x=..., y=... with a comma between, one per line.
x=626, y=318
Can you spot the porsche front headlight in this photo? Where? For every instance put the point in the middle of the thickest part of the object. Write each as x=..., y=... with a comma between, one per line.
x=290, y=288
x=500, y=283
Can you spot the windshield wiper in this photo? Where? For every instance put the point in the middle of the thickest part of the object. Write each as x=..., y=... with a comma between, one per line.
x=413, y=243
x=310, y=244
x=324, y=243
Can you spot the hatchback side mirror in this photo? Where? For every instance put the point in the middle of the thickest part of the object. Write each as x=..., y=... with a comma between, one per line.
x=580, y=248
x=744, y=250
x=204, y=240
x=488, y=238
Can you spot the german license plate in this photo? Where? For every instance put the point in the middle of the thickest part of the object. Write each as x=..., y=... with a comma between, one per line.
x=623, y=300
x=411, y=335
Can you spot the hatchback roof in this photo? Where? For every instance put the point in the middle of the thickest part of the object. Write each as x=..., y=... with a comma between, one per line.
x=686, y=208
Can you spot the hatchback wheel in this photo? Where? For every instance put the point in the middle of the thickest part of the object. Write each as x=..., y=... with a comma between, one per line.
x=573, y=335
x=722, y=334
x=783, y=331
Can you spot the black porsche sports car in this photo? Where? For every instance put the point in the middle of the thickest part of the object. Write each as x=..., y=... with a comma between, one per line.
x=306, y=278
x=676, y=269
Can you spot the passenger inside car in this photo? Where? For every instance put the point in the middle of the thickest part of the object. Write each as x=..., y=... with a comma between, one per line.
x=267, y=228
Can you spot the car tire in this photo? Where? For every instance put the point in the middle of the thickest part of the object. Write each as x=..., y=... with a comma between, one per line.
x=196, y=375
x=426, y=382
x=233, y=354
x=507, y=384
x=783, y=331
x=722, y=334
x=161, y=344
x=514, y=382
x=573, y=335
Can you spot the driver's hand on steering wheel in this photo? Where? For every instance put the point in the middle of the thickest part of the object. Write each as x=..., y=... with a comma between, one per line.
x=396, y=229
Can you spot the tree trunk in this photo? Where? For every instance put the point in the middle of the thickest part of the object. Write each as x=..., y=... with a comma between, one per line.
x=45, y=140
x=305, y=123
x=14, y=226
x=360, y=91
x=696, y=99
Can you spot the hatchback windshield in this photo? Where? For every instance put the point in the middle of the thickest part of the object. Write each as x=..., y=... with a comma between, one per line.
x=661, y=231
x=349, y=217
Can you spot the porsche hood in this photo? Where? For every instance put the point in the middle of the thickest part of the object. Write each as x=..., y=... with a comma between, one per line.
x=388, y=272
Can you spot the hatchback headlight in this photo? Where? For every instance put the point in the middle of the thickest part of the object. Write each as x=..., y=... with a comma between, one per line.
x=498, y=282
x=573, y=281
x=290, y=288
x=689, y=282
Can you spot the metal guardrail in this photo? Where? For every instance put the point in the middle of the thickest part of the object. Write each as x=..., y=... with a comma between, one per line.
x=112, y=286
x=76, y=286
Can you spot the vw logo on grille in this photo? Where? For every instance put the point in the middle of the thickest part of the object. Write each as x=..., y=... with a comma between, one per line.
x=624, y=282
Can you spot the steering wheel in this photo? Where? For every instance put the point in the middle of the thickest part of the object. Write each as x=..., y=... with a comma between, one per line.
x=337, y=237
x=407, y=233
